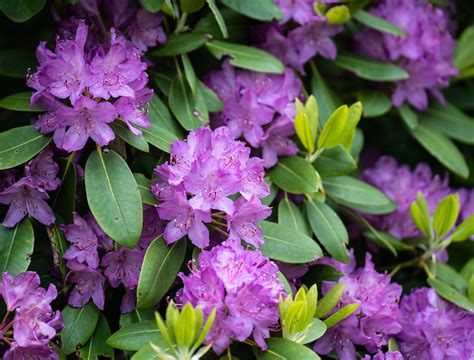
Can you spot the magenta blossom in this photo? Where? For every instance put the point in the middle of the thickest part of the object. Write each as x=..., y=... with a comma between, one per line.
x=123, y=266
x=88, y=284
x=44, y=171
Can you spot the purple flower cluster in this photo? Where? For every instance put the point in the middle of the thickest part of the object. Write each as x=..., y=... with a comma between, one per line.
x=27, y=196
x=425, y=52
x=196, y=186
x=434, y=328
x=389, y=355
x=101, y=84
x=402, y=185
x=297, y=45
x=119, y=266
x=34, y=323
x=260, y=107
x=244, y=288
x=376, y=319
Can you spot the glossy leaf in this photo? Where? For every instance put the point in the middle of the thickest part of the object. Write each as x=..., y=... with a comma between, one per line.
x=284, y=349
x=446, y=214
x=315, y=331
x=330, y=300
x=334, y=162
x=183, y=105
x=138, y=142
x=246, y=57
x=97, y=345
x=377, y=23
x=291, y=216
x=144, y=188
x=334, y=128
x=218, y=16
x=135, y=336
x=340, y=315
x=295, y=175
x=358, y=195
x=376, y=103
x=21, y=10
x=19, y=102
x=181, y=43
x=160, y=267
x=16, y=247
x=264, y=10
x=328, y=228
x=338, y=14
x=464, y=230
x=19, y=145
x=303, y=130
x=113, y=197
x=79, y=325
x=450, y=294
x=285, y=244
x=161, y=118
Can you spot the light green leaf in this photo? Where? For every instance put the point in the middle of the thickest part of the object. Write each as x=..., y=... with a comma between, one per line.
x=450, y=294
x=138, y=142
x=113, y=197
x=97, y=345
x=21, y=10
x=340, y=315
x=303, y=130
x=183, y=105
x=420, y=214
x=285, y=244
x=328, y=228
x=371, y=69
x=181, y=43
x=409, y=117
x=449, y=275
x=330, y=300
x=334, y=128
x=264, y=10
x=79, y=325
x=160, y=267
x=218, y=16
x=315, y=331
x=291, y=216
x=465, y=230
x=334, y=162
x=152, y=6
x=19, y=145
x=19, y=102
x=284, y=349
x=295, y=175
x=246, y=57
x=135, y=336
x=338, y=14
x=377, y=23
x=446, y=214
x=376, y=103
x=16, y=247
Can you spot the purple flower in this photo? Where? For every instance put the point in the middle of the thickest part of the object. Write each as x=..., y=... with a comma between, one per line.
x=152, y=227
x=242, y=223
x=83, y=242
x=104, y=241
x=88, y=284
x=134, y=111
x=73, y=126
x=301, y=11
x=401, y=184
x=43, y=171
x=242, y=285
x=31, y=353
x=26, y=198
x=389, y=355
x=375, y=320
x=426, y=51
x=467, y=203
x=7, y=178
x=123, y=266
x=16, y=290
x=277, y=141
x=147, y=31
x=433, y=328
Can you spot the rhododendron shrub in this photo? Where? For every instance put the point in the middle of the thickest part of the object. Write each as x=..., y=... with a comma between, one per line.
x=236, y=179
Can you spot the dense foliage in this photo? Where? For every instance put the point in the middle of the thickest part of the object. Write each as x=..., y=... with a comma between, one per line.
x=237, y=179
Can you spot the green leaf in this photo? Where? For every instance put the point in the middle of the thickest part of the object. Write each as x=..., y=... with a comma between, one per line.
x=79, y=325
x=113, y=197
x=137, y=315
x=376, y=103
x=285, y=283
x=334, y=128
x=138, y=142
x=152, y=6
x=160, y=118
x=64, y=201
x=246, y=57
x=58, y=247
x=144, y=188
x=181, y=43
x=334, y=162
x=371, y=69
x=295, y=175
x=327, y=100
x=377, y=23
x=358, y=195
x=148, y=353
x=446, y=214
x=464, y=54
x=97, y=345
x=264, y=10
x=451, y=121
x=213, y=102
x=182, y=104
x=303, y=130
x=338, y=14
x=15, y=63
x=330, y=300
x=218, y=16
x=19, y=102
x=160, y=267
x=464, y=230
x=191, y=6
x=21, y=10
x=135, y=336
x=16, y=247
x=19, y=145
x=284, y=349
x=442, y=148
x=315, y=331
x=273, y=192
x=328, y=228
x=189, y=73
x=285, y=244
x=291, y=216
x=450, y=294
x=340, y=315
x=409, y=117
x=449, y=275
x=420, y=214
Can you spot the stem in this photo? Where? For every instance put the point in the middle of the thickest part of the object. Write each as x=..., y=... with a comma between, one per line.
x=214, y=222
x=220, y=231
x=5, y=318
x=229, y=354
x=402, y=265
x=181, y=24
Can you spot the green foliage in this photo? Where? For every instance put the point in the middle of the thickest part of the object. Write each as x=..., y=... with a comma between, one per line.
x=295, y=175
x=16, y=247
x=377, y=23
x=135, y=336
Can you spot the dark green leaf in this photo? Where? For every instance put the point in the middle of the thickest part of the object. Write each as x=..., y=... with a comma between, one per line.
x=182, y=43
x=377, y=23
x=213, y=102
x=284, y=349
x=113, y=197
x=151, y=5
x=273, y=192
x=464, y=55
x=334, y=162
x=135, y=336
x=328, y=228
x=376, y=103
x=137, y=315
x=218, y=16
x=19, y=102
x=15, y=63
x=358, y=195
x=449, y=275
x=19, y=145
x=409, y=117
x=442, y=148
x=21, y=10
x=145, y=191
x=58, y=247
x=191, y=6
x=159, y=137
x=285, y=244
x=291, y=216
x=246, y=57
x=160, y=267
x=295, y=175
x=450, y=294
x=264, y=10
x=79, y=325
x=183, y=105
x=97, y=345
x=64, y=201
x=160, y=117
x=327, y=100
x=236, y=24
x=138, y=142
x=371, y=69
x=16, y=247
